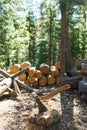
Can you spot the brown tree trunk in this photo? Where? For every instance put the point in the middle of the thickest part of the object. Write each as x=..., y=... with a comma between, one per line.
x=65, y=51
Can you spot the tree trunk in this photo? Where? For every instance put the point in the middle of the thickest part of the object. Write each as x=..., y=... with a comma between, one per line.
x=65, y=51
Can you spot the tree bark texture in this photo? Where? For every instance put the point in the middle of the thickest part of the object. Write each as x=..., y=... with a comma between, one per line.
x=65, y=50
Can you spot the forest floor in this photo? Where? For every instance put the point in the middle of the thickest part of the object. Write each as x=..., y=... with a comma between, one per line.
x=14, y=112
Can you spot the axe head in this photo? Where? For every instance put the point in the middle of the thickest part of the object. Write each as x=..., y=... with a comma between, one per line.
x=41, y=107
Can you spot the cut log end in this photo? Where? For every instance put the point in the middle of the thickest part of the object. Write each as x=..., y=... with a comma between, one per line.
x=15, y=68
x=58, y=65
x=32, y=71
x=54, y=71
x=44, y=68
x=43, y=81
x=51, y=80
x=25, y=64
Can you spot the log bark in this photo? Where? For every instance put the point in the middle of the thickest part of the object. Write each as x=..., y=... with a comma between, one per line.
x=48, y=120
x=44, y=68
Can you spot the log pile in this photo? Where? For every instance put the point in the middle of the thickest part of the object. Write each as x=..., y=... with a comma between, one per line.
x=45, y=76
x=36, y=78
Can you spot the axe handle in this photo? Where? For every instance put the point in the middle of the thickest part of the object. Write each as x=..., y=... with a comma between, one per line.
x=61, y=89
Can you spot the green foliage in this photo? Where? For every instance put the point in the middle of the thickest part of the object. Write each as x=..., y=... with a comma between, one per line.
x=12, y=29
x=24, y=36
x=78, y=33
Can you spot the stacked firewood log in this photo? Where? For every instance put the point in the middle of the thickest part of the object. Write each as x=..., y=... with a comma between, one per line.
x=82, y=67
x=45, y=75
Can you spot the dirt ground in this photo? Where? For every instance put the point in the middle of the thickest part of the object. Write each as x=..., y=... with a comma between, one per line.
x=14, y=111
